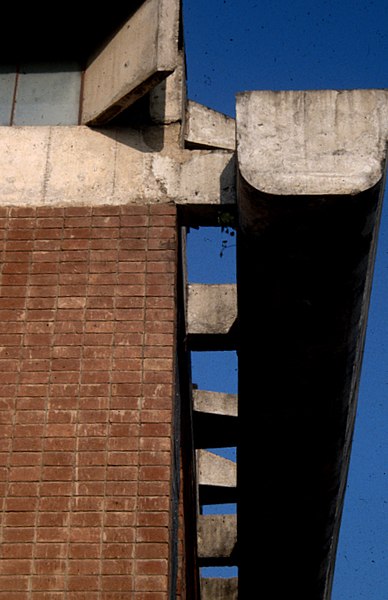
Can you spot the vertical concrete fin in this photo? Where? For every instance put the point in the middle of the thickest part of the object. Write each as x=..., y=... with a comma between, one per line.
x=139, y=56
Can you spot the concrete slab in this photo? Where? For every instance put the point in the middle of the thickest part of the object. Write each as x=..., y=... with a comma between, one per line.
x=217, y=539
x=312, y=142
x=208, y=128
x=137, y=58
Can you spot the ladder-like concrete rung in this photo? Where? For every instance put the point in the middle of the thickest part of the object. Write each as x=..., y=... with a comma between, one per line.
x=217, y=403
x=215, y=419
x=217, y=540
x=211, y=316
x=217, y=588
x=215, y=470
x=217, y=478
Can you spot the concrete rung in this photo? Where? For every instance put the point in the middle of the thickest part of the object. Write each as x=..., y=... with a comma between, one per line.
x=215, y=470
x=215, y=419
x=217, y=403
x=217, y=588
x=217, y=539
x=211, y=316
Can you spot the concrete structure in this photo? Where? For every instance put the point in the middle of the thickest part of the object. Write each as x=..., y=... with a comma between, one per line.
x=104, y=442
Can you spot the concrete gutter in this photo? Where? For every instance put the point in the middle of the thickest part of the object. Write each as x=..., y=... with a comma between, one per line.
x=310, y=183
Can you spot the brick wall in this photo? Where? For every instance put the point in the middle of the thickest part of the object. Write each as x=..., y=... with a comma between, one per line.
x=87, y=339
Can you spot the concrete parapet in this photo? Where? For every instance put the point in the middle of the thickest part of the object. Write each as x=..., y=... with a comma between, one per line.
x=110, y=166
x=208, y=128
x=217, y=539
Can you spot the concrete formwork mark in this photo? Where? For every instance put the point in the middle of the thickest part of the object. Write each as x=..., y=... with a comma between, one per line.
x=110, y=166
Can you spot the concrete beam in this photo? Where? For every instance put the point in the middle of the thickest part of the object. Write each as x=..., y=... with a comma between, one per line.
x=216, y=403
x=217, y=539
x=310, y=184
x=219, y=588
x=69, y=165
x=207, y=128
x=211, y=316
x=138, y=57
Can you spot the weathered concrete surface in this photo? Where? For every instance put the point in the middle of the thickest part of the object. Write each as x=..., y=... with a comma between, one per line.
x=139, y=56
x=211, y=314
x=217, y=403
x=214, y=470
x=314, y=142
x=168, y=98
x=219, y=588
x=217, y=539
x=208, y=128
x=70, y=165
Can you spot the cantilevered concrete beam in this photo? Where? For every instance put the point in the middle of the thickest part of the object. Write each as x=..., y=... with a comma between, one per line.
x=310, y=181
x=217, y=539
x=211, y=316
x=141, y=54
x=207, y=128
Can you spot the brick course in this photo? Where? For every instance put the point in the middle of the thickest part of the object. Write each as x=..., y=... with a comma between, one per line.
x=87, y=342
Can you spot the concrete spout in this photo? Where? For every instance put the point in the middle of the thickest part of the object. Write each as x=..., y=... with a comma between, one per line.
x=310, y=143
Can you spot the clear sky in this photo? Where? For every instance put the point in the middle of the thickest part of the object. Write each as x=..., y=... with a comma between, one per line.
x=239, y=45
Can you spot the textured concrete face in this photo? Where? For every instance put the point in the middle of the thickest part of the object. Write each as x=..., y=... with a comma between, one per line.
x=140, y=55
x=212, y=309
x=219, y=589
x=70, y=165
x=217, y=538
x=314, y=142
x=216, y=403
x=168, y=98
x=214, y=470
x=208, y=128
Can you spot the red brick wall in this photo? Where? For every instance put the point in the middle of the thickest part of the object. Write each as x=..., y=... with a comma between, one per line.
x=87, y=339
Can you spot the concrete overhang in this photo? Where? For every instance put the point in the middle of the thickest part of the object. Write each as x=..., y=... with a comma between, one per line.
x=311, y=169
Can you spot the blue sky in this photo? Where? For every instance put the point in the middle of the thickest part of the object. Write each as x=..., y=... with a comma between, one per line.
x=238, y=45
